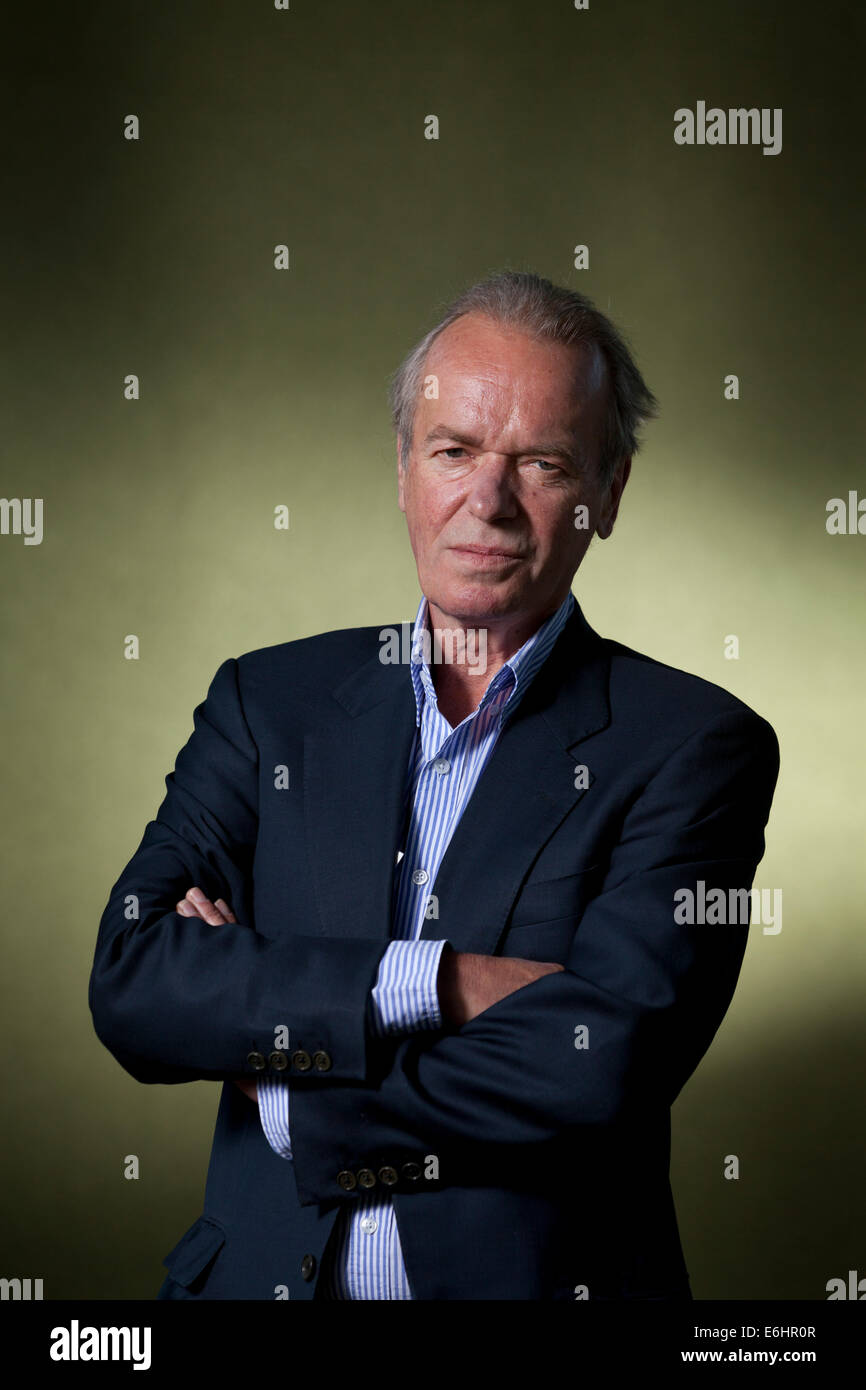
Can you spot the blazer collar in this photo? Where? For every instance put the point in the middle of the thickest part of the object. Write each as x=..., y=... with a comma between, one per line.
x=570, y=689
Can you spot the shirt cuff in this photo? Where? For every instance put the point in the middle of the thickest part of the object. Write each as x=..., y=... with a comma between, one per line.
x=404, y=998
x=273, y=1097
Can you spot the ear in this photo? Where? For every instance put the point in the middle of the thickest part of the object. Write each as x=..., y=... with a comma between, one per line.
x=610, y=509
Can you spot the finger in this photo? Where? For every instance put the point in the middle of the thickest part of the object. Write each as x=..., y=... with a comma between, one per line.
x=205, y=908
x=225, y=910
x=190, y=909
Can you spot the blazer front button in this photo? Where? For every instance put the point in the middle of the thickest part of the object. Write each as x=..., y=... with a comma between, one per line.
x=301, y=1061
x=279, y=1061
x=256, y=1061
x=321, y=1061
x=366, y=1177
x=308, y=1267
x=346, y=1179
x=388, y=1175
x=411, y=1171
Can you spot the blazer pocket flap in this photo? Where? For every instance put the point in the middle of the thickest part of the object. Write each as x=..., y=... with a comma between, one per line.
x=195, y=1250
x=541, y=940
x=542, y=900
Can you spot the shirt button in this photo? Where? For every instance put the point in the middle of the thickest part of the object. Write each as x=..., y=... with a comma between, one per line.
x=441, y=766
x=369, y=1224
x=420, y=875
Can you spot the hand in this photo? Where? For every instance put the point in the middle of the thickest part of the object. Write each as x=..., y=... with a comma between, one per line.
x=195, y=904
x=468, y=984
x=216, y=914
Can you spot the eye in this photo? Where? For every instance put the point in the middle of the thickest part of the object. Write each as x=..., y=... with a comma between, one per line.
x=452, y=449
x=545, y=463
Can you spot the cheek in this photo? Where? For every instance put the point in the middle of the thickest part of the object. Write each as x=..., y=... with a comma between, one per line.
x=423, y=530
x=428, y=510
x=582, y=521
x=563, y=535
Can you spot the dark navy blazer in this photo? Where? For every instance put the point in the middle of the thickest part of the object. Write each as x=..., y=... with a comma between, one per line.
x=551, y=1169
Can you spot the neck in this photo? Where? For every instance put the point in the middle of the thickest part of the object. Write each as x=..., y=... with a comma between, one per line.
x=465, y=659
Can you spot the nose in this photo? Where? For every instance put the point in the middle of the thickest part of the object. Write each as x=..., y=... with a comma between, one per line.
x=490, y=492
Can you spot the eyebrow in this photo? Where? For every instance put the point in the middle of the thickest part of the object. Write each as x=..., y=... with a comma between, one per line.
x=568, y=451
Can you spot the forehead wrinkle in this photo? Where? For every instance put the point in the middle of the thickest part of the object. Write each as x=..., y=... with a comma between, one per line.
x=494, y=401
x=485, y=408
x=473, y=421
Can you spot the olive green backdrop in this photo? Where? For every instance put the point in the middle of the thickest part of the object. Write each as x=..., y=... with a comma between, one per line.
x=261, y=387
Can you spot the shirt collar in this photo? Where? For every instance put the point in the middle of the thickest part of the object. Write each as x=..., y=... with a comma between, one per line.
x=517, y=672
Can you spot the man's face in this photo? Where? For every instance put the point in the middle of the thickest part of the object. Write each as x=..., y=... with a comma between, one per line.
x=498, y=464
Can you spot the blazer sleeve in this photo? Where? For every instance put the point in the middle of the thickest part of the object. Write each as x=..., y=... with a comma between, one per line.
x=175, y=999
x=403, y=999
x=650, y=991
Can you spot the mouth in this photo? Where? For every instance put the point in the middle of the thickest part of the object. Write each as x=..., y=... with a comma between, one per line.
x=491, y=554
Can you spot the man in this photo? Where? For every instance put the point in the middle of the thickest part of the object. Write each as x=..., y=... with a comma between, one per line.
x=425, y=919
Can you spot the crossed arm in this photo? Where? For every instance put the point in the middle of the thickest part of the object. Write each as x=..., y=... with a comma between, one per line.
x=467, y=983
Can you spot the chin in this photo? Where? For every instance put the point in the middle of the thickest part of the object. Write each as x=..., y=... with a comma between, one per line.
x=473, y=603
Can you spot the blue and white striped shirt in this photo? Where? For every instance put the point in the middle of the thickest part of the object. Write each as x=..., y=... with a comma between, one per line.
x=444, y=767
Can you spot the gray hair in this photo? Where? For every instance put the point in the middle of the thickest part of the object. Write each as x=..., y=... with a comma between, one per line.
x=525, y=301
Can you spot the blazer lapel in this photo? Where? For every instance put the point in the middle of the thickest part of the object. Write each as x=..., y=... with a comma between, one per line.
x=524, y=792
x=354, y=784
